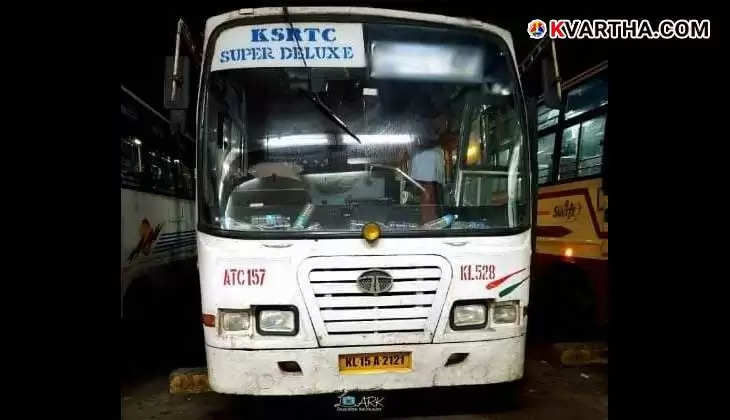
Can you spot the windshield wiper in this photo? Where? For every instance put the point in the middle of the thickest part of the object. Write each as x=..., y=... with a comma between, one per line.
x=329, y=113
x=321, y=106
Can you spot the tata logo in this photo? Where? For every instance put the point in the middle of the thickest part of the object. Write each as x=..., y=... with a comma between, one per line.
x=568, y=211
x=374, y=282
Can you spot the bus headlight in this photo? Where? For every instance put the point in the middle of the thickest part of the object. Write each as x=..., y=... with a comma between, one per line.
x=277, y=320
x=505, y=312
x=469, y=315
x=235, y=320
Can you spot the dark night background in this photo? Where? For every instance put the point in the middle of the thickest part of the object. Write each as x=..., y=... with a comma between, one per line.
x=150, y=36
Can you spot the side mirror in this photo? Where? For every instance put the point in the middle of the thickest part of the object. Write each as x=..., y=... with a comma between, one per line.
x=551, y=90
x=177, y=83
x=177, y=87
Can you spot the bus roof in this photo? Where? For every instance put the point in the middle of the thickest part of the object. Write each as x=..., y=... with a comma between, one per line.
x=243, y=14
x=575, y=80
x=585, y=75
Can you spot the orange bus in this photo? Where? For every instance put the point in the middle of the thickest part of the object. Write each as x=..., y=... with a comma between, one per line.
x=571, y=262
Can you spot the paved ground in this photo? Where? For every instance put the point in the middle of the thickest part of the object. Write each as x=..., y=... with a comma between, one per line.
x=549, y=392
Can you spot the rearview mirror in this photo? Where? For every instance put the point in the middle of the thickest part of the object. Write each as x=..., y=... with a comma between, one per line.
x=551, y=91
x=177, y=82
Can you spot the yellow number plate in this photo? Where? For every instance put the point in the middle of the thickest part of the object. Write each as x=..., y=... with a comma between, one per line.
x=375, y=362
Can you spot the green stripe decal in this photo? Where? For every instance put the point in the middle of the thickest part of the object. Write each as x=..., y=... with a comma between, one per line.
x=511, y=288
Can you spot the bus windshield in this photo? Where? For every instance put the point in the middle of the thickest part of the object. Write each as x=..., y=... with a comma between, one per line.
x=426, y=133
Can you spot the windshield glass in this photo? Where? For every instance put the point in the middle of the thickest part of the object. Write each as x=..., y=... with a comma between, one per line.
x=435, y=142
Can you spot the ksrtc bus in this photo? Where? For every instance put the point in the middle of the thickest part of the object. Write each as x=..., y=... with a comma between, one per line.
x=571, y=279
x=365, y=201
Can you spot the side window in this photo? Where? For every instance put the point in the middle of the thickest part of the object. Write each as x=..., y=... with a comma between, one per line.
x=591, y=146
x=131, y=164
x=582, y=148
x=503, y=157
x=152, y=159
x=545, y=148
x=153, y=169
x=586, y=97
x=546, y=117
x=168, y=176
x=183, y=176
x=181, y=179
x=158, y=172
x=493, y=145
x=131, y=146
x=211, y=149
x=568, y=152
x=492, y=135
x=189, y=182
x=475, y=144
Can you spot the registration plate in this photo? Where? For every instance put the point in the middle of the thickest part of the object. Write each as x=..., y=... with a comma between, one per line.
x=375, y=362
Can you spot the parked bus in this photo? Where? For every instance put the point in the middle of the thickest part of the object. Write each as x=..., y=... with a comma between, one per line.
x=572, y=221
x=157, y=193
x=365, y=201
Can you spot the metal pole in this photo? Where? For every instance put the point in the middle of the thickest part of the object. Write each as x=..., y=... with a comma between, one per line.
x=175, y=59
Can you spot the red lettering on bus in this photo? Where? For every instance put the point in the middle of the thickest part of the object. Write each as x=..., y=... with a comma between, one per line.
x=244, y=277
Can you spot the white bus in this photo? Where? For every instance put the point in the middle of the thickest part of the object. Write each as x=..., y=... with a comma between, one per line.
x=157, y=193
x=365, y=197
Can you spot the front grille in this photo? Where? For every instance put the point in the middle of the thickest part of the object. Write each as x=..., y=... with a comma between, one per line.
x=344, y=315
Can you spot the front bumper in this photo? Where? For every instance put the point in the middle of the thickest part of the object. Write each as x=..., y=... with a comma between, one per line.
x=256, y=372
